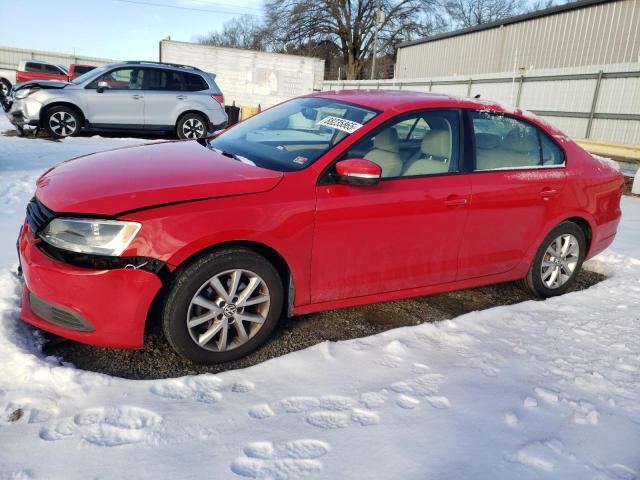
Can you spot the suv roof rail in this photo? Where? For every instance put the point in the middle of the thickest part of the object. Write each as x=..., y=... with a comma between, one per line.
x=151, y=62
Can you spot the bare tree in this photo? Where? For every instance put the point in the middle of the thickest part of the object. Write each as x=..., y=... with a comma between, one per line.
x=350, y=25
x=247, y=32
x=468, y=13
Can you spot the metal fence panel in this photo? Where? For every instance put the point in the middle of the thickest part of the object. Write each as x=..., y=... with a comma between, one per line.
x=600, y=102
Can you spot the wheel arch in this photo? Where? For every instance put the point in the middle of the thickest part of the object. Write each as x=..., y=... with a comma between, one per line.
x=270, y=253
x=62, y=103
x=584, y=221
x=193, y=110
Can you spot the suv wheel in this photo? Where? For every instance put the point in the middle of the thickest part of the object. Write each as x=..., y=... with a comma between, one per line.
x=557, y=262
x=222, y=306
x=62, y=122
x=191, y=126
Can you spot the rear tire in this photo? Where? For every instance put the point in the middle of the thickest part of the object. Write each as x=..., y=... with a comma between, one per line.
x=222, y=306
x=62, y=122
x=191, y=126
x=557, y=262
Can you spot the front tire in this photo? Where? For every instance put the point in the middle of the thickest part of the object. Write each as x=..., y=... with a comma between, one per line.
x=222, y=306
x=191, y=126
x=62, y=122
x=557, y=262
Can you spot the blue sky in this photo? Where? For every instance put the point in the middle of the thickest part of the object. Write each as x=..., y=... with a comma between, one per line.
x=111, y=28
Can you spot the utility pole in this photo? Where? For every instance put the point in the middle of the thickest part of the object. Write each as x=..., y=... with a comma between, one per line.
x=379, y=20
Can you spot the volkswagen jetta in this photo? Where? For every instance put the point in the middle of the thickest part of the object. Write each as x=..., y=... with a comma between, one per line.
x=325, y=201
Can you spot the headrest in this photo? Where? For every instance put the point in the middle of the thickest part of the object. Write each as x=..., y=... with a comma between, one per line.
x=520, y=141
x=487, y=141
x=436, y=143
x=387, y=140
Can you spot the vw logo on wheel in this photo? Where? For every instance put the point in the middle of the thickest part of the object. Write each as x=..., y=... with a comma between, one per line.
x=229, y=310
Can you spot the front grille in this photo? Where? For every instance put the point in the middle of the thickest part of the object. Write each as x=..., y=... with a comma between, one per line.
x=58, y=315
x=38, y=215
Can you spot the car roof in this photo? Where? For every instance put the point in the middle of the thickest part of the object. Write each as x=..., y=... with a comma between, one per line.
x=407, y=100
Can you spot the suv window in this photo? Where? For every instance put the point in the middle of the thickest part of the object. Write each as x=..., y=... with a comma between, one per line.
x=121, y=79
x=194, y=82
x=425, y=143
x=508, y=143
x=173, y=81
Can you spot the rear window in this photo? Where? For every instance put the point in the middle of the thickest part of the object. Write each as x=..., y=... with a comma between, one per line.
x=194, y=83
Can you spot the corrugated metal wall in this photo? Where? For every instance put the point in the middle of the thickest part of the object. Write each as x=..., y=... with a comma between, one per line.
x=249, y=78
x=11, y=57
x=564, y=97
x=599, y=34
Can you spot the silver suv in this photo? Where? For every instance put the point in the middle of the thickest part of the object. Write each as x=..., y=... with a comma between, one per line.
x=144, y=96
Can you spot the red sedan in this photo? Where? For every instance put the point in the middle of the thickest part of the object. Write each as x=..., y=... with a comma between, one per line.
x=322, y=202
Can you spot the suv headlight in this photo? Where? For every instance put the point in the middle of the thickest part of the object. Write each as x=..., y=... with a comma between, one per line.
x=25, y=92
x=88, y=235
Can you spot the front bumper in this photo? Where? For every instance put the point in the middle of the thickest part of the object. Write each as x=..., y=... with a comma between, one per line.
x=113, y=303
x=25, y=111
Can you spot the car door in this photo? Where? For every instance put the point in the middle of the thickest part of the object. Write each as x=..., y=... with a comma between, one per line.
x=121, y=103
x=402, y=233
x=516, y=187
x=163, y=97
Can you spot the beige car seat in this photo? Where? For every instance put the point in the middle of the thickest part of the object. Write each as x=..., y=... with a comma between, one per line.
x=516, y=150
x=385, y=153
x=435, y=154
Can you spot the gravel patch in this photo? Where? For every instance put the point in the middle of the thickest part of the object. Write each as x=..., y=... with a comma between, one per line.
x=157, y=359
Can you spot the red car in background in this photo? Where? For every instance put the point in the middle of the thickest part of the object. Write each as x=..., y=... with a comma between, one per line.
x=76, y=69
x=29, y=70
x=326, y=201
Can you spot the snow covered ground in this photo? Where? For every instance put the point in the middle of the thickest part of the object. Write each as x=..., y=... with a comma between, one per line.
x=535, y=390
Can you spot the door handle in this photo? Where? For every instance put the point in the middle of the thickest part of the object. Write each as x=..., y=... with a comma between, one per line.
x=181, y=97
x=136, y=96
x=455, y=201
x=547, y=193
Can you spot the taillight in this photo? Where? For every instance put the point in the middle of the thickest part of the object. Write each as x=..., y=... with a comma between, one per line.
x=219, y=99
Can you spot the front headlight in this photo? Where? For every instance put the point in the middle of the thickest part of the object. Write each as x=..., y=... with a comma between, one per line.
x=25, y=92
x=93, y=236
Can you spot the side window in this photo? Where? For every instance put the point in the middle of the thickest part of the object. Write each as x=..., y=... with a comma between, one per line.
x=552, y=154
x=121, y=79
x=504, y=143
x=32, y=67
x=194, y=83
x=52, y=70
x=425, y=143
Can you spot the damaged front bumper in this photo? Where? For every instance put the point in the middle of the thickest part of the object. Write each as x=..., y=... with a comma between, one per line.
x=22, y=112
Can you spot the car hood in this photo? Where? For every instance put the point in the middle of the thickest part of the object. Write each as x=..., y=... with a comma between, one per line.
x=45, y=84
x=133, y=178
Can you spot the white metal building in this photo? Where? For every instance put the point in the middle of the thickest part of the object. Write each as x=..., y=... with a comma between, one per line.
x=582, y=33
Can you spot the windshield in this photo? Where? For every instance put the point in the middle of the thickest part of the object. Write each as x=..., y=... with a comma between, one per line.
x=88, y=75
x=293, y=135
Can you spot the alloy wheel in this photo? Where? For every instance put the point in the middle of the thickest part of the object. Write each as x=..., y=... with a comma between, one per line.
x=228, y=310
x=62, y=124
x=193, y=128
x=560, y=261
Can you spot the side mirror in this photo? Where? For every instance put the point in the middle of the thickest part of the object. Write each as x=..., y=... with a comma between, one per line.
x=358, y=171
x=102, y=86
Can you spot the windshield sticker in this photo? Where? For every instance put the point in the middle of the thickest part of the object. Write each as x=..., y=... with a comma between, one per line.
x=340, y=124
x=300, y=160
